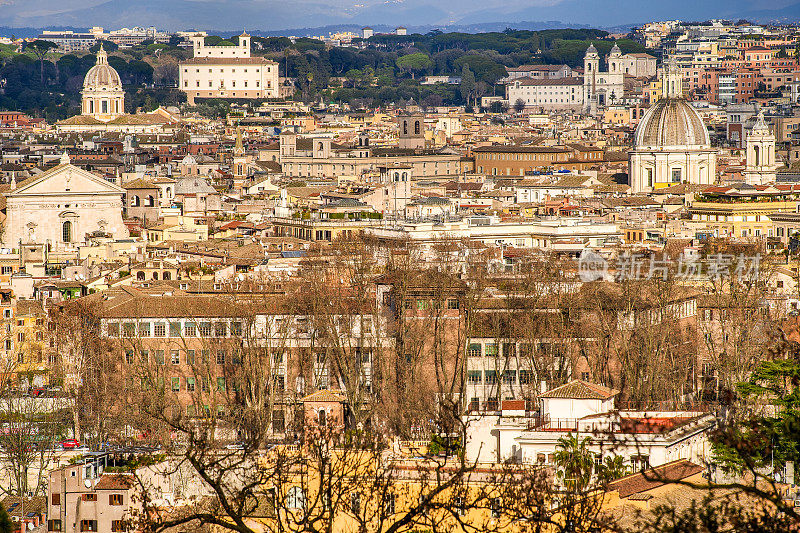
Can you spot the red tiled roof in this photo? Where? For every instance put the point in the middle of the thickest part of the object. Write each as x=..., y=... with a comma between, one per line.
x=654, y=477
x=581, y=390
x=114, y=482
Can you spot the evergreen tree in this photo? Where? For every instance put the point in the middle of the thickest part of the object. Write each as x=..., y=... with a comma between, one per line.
x=467, y=84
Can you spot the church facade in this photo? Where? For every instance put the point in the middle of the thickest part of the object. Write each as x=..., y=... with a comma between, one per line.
x=61, y=206
x=602, y=88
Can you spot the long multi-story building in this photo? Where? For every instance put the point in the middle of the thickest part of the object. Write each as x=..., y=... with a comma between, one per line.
x=546, y=93
x=68, y=40
x=512, y=160
x=305, y=157
x=227, y=72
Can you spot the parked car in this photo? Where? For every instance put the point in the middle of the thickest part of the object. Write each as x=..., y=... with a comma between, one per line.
x=70, y=444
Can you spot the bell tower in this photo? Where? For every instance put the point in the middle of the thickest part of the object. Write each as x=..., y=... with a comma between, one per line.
x=760, y=163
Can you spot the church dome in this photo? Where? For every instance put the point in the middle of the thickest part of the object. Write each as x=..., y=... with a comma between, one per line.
x=102, y=75
x=671, y=122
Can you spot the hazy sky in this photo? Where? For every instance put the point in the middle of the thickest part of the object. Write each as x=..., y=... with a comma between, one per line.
x=280, y=14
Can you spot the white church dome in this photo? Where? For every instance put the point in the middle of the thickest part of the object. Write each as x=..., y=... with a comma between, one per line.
x=671, y=122
x=102, y=75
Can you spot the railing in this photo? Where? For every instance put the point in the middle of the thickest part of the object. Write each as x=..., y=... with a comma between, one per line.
x=545, y=423
x=311, y=222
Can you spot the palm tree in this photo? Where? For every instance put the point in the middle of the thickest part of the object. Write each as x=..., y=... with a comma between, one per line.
x=575, y=462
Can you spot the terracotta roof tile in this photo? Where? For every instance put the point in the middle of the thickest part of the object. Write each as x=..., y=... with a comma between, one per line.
x=581, y=390
x=654, y=477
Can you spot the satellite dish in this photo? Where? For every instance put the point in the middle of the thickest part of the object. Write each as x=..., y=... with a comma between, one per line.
x=87, y=483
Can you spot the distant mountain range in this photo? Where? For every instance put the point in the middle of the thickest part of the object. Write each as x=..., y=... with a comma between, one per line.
x=304, y=17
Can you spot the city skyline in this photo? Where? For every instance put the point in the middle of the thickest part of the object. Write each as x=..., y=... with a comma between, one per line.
x=268, y=15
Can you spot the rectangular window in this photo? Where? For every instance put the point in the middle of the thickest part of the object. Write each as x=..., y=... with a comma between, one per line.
x=190, y=384
x=129, y=357
x=159, y=329
x=221, y=329
x=144, y=329
x=175, y=357
x=54, y=525
x=220, y=357
x=205, y=329
x=220, y=384
x=491, y=350
x=510, y=377
x=115, y=499
x=191, y=329
x=113, y=329
x=452, y=303
x=491, y=377
x=474, y=350
x=474, y=376
x=117, y=525
x=91, y=497
x=159, y=357
x=176, y=384
x=676, y=175
x=190, y=357
x=174, y=329
x=55, y=498
x=525, y=377
x=236, y=329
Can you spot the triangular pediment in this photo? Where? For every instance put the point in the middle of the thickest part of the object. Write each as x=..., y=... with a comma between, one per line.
x=66, y=179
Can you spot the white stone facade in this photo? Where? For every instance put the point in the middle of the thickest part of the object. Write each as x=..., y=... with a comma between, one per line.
x=61, y=207
x=548, y=94
x=601, y=88
x=760, y=163
x=228, y=72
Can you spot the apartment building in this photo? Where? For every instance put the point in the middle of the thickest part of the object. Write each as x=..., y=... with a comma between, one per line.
x=68, y=40
x=733, y=212
x=513, y=353
x=102, y=492
x=194, y=347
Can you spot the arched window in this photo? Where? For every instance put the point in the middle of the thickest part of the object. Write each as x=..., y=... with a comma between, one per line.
x=405, y=128
x=169, y=191
x=155, y=275
x=104, y=106
x=322, y=417
x=416, y=127
x=66, y=231
x=91, y=106
x=134, y=201
x=166, y=276
x=757, y=154
x=405, y=176
x=319, y=146
x=150, y=201
x=140, y=275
